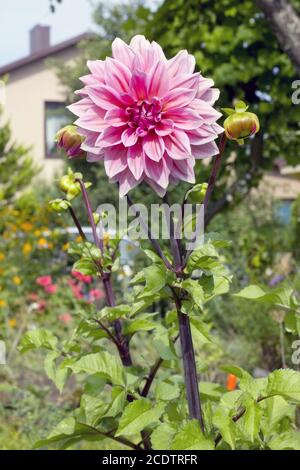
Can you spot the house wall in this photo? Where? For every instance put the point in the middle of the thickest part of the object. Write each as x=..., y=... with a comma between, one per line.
x=27, y=90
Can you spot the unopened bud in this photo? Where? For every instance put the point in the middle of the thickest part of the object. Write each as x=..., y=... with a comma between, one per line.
x=240, y=123
x=70, y=140
x=59, y=205
x=96, y=217
x=197, y=193
x=69, y=185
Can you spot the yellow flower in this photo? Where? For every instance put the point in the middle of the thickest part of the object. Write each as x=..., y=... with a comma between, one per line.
x=17, y=280
x=27, y=248
x=37, y=233
x=78, y=239
x=26, y=226
x=42, y=243
x=2, y=256
x=50, y=246
x=12, y=323
x=65, y=247
x=2, y=303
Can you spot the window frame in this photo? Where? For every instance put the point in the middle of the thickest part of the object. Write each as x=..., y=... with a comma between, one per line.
x=58, y=155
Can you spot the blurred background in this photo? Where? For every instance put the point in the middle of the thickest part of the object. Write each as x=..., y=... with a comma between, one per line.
x=250, y=49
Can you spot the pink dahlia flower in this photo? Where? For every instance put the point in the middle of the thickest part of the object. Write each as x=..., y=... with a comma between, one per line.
x=146, y=117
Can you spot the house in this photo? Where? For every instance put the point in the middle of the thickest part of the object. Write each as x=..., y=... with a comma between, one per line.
x=34, y=98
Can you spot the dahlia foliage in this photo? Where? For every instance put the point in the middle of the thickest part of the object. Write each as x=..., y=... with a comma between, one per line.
x=146, y=117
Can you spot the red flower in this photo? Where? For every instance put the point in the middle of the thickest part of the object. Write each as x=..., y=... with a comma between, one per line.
x=65, y=318
x=81, y=277
x=51, y=289
x=95, y=294
x=44, y=281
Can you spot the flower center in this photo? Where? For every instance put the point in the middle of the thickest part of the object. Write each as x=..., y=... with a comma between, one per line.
x=144, y=116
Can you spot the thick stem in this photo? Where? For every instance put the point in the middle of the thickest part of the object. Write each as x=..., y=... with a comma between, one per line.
x=189, y=365
x=77, y=223
x=186, y=341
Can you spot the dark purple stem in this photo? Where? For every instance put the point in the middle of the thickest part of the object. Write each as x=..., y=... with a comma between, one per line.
x=77, y=223
x=215, y=171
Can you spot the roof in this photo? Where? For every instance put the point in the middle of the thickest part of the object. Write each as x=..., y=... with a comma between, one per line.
x=43, y=54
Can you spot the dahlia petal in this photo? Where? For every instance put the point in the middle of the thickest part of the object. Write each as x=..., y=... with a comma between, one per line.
x=158, y=81
x=204, y=85
x=117, y=75
x=182, y=63
x=206, y=111
x=184, y=118
x=139, y=44
x=139, y=85
x=178, y=145
x=126, y=182
x=164, y=127
x=202, y=135
x=157, y=51
x=211, y=96
x=177, y=98
x=129, y=137
x=91, y=121
x=135, y=160
x=154, y=146
x=110, y=137
x=158, y=189
x=209, y=149
x=158, y=171
x=97, y=69
x=105, y=97
x=184, y=170
x=94, y=158
x=90, y=80
x=80, y=107
x=185, y=81
x=122, y=52
x=116, y=117
x=115, y=161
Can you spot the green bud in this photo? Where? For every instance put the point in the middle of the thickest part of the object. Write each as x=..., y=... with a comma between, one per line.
x=240, y=123
x=197, y=193
x=96, y=217
x=59, y=205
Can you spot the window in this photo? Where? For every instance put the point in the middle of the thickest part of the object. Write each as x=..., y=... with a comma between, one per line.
x=56, y=117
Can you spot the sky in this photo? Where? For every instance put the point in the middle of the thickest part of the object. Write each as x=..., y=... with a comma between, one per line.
x=17, y=17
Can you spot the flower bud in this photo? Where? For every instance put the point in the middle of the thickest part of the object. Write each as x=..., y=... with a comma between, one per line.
x=59, y=205
x=69, y=185
x=70, y=140
x=240, y=123
x=96, y=218
x=197, y=193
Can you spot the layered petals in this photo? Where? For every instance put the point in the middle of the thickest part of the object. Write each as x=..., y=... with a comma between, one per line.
x=145, y=117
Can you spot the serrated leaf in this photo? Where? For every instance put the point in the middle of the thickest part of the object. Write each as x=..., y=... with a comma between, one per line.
x=162, y=437
x=286, y=383
x=103, y=364
x=36, y=339
x=190, y=437
x=138, y=415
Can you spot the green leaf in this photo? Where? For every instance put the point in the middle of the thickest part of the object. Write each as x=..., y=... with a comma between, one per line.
x=85, y=266
x=58, y=375
x=113, y=313
x=166, y=391
x=138, y=415
x=93, y=408
x=223, y=421
x=36, y=339
x=290, y=440
x=251, y=418
x=280, y=297
x=142, y=323
x=195, y=290
x=162, y=436
x=102, y=363
x=190, y=437
x=286, y=383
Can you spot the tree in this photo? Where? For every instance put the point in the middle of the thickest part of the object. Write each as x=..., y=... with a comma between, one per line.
x=285, y=22
x=16, y=169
